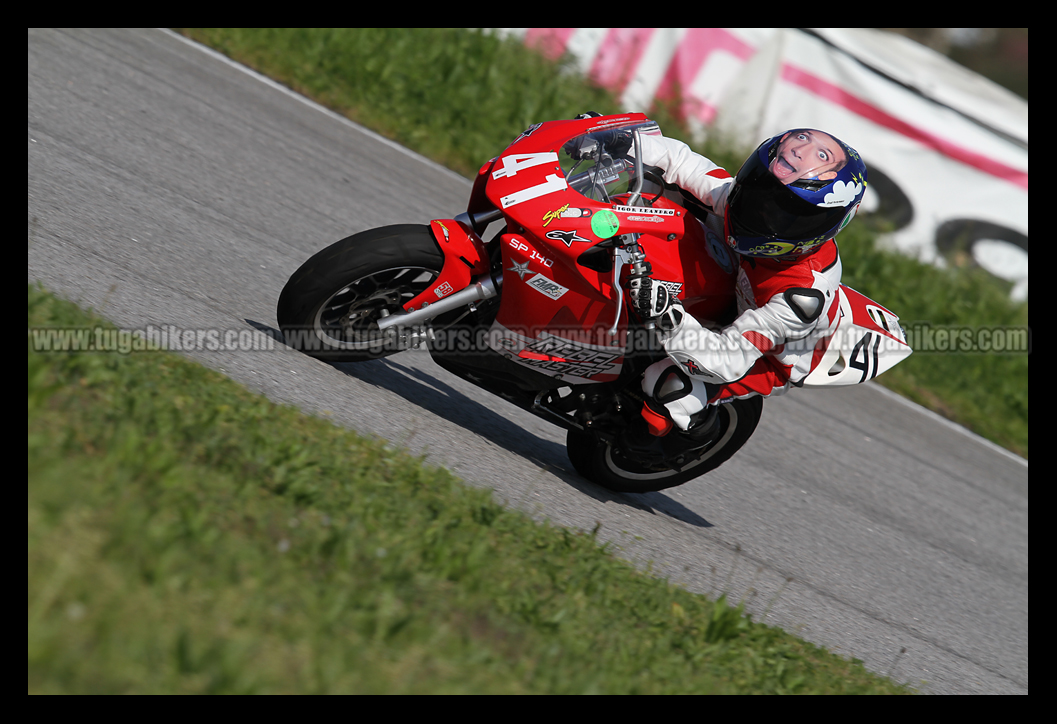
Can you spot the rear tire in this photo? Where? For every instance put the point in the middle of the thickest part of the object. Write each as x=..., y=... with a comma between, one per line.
x=330, y=306
x=600, y=463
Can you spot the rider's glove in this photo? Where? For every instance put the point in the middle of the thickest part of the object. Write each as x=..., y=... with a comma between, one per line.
x=653, y=301
x=618, y=142
x=582, y=147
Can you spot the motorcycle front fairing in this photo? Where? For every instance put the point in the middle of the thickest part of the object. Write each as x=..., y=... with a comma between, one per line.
x=465, y=257
x=561, y=312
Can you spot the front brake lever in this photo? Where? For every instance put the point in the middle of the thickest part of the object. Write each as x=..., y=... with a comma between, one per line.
x=618, y=264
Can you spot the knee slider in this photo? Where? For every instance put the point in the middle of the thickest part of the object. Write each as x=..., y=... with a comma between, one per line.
x=664, y=382
x=672, y=385
x=669, y=389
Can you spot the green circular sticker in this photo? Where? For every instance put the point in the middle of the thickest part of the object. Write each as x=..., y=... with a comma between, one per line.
x=604, y=224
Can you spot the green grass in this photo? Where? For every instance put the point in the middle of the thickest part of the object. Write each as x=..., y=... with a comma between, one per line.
x=461, y=96
x=407, y=83
x=187, y=536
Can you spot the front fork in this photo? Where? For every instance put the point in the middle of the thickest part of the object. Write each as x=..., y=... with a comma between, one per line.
x=484, y=288
x=631, y=254
x=464, y=278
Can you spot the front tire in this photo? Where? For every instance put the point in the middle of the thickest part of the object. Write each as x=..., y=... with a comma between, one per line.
x=606, y=465
x=330, y=307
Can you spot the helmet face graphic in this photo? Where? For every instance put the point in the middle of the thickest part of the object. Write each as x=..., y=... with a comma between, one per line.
x=796, y=191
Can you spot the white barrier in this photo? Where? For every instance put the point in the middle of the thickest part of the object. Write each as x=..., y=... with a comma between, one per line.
x=947, y=149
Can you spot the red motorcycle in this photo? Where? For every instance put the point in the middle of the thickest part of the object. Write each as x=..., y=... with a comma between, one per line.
x=537, y=314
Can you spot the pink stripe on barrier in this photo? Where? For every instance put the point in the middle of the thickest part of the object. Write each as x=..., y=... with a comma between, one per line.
x=621, y=52
x=838, y=95
x=693, y=52
x=549, y=41
x=619, y=56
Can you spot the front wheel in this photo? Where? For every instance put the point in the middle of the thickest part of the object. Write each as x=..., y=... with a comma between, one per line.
x=615, y=469
x=330, y=307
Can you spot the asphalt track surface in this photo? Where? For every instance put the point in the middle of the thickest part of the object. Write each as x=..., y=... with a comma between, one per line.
x=168, y=186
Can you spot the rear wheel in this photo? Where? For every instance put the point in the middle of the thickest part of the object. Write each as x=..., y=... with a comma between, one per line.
x=330, y=307
x=621, y=471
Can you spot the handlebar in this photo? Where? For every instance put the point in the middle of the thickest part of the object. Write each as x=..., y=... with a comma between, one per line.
x=609, y=167
x=585, y=180
x=636, y=194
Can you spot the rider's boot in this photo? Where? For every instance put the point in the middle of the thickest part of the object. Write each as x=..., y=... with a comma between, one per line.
x=703, y=430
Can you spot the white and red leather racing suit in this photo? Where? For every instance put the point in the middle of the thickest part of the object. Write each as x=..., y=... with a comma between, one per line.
x=784, y=308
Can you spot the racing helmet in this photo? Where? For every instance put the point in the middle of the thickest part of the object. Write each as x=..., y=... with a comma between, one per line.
x=796, y=191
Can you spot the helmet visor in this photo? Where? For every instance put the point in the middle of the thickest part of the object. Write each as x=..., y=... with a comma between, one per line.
x=761, y=206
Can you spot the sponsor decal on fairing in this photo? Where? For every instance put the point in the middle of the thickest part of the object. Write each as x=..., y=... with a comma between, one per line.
x=644, y=210
x=547, y=287
x=573, y=361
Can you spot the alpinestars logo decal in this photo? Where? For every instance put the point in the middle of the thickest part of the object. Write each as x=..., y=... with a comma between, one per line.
x=566, y=237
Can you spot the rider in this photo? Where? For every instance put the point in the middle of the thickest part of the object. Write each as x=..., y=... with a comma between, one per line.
x=779, y=215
